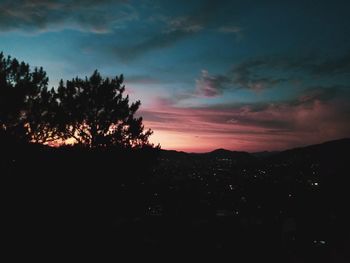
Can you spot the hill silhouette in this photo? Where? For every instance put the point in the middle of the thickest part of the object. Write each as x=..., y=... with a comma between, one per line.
x=330, y=151
x=292, y=204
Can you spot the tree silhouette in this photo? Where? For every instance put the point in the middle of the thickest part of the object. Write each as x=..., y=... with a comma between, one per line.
x=95, y=113
x=25, y=101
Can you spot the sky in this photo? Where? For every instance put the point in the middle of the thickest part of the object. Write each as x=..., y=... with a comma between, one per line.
x=242, y=75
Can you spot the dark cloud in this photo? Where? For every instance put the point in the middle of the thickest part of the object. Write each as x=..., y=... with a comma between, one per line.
x=51, y=15
x=156, y=42
x=249, y=70
x=263, y=73
x=240, y=77
x=323, y=94
x=330, y=66
x=210, y=86
x=143, y=79
x=244, y=75
x=232, y=29
x=174, y=29
x=184, y=24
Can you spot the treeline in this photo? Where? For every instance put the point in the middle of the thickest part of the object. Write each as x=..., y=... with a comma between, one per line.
x=99, y=166
x=92, y=112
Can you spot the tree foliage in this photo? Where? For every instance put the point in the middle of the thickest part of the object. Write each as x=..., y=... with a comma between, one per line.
x=94, y=111
x=25, y=100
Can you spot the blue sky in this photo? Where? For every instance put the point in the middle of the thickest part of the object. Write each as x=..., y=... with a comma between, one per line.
x=245, y=75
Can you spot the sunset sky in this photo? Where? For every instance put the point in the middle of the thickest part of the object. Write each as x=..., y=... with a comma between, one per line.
x=241, y=75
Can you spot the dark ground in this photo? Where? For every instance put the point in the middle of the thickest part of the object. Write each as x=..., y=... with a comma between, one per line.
x=282, y=207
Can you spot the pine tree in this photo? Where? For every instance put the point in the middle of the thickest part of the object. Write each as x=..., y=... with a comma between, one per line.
x=25, y=101
x=95, y=112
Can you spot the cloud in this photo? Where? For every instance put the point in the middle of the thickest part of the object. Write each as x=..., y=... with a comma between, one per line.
x=322, y=93
x=156, y=42
x=253, y=126
x=173, y=29
x=183, y=23
x=245, y=77
x=52, y=15
x=314, y=65
x=236, y=30
x=263, y=73
x=239, y=77
x=330, y=66
x=143, y=79
x=255, y=75
x=210, y=86
x=230, y=29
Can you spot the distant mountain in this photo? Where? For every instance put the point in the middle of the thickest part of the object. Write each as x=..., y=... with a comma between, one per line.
x=237, y=157
x=337, y=150
x=224, y=152
x=331, y=151
x=220, y=151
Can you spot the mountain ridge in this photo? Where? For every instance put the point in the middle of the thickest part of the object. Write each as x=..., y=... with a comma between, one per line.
x=330, y=145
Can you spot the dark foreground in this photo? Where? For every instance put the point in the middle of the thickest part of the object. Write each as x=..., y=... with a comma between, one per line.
x=275, y=207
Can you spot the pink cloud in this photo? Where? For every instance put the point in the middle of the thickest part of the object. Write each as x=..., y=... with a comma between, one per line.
x=271, y=127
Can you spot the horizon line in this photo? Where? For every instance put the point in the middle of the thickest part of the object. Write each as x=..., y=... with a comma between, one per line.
x=286, y=149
